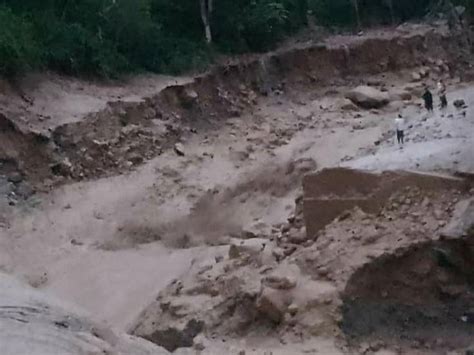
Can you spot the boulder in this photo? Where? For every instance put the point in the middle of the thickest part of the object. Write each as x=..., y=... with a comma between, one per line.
x=189, y=97
x=415, y=76
x=424, y=72
x=348, y=105
x=234, y=252
x=15, y=178
x=368, y=97
x=33, y=322
x=400, y=95
x=459, y=103
x=272, y=304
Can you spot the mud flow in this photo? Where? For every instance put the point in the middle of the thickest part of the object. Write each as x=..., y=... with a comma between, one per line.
x=262, y=207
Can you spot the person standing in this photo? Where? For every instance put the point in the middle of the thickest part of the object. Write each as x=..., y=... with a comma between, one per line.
x=442, y=95
x=428, y=99
x=400, y=128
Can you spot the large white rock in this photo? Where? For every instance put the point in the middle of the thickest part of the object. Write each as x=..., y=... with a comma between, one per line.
x=368, y=97
x=34, y=323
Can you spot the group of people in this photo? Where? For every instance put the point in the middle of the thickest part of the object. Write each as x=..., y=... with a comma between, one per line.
x=428, y=97
x=428, y=100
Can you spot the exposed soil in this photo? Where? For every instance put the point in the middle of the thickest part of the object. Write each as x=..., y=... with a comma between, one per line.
x=210, y=245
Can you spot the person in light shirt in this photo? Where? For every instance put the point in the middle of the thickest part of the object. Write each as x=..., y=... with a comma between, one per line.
x=400, y=128
x=442, y=95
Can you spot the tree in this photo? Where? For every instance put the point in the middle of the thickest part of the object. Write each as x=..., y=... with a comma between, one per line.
x=206, y=12
x=355, y=3
x=389, y=4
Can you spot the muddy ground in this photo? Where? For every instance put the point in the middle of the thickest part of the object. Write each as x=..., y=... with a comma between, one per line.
x=201, y=246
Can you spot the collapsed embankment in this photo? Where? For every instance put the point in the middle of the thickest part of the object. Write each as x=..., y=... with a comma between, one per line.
x=303, y=286
x=125, y=134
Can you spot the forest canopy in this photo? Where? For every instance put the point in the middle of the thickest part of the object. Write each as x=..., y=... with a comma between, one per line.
x=110, y=37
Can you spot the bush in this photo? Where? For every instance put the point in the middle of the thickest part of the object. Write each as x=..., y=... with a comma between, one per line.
x=71, y=49
x=332, y=12
x=18, y=50
x=256, y=25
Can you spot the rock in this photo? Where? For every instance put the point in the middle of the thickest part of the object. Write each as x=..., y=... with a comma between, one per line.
x=15, y=178
x=179, y=149
x=174, y=338
x=149, y=113
x=272, y=304
x=25, y=190
x=189, y=96
x=358, y=127
x=279, y=282
x=400, y=95
x=63, y=168
x=198, y=343
x=135, y=159
x=368, y=97
x=348, y=105
x=424, y=72
x=293, y=309
x=234, y=252
x=415, y=76
x=301, y=166
x=459, y=103
x=42, y=325
x=278, y=254
x=288, y=250
x=297, y=236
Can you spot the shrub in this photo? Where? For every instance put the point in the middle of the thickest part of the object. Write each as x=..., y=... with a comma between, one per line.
x=18, y=50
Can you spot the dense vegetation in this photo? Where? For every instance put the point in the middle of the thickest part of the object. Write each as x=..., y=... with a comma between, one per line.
x=109, y=37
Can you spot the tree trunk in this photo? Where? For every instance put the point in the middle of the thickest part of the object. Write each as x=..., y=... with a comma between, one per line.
x=206, y=10
x=392, y=14
x=357, y=13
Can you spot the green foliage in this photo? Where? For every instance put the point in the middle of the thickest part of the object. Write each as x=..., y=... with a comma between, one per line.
x=72, y=49
x=332, y=12
x=110, y=37
x=263, y=23
x=256, y=25
x=18, y=49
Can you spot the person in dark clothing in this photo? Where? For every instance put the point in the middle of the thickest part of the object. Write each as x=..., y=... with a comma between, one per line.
x=428, y=98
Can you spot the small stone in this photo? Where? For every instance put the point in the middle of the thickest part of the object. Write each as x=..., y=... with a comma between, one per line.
x=179, y=149
x=289, y=250
x=293, y=309
x=198, y=343
x=279, y=282
x=135, y=159
x=415, y=76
